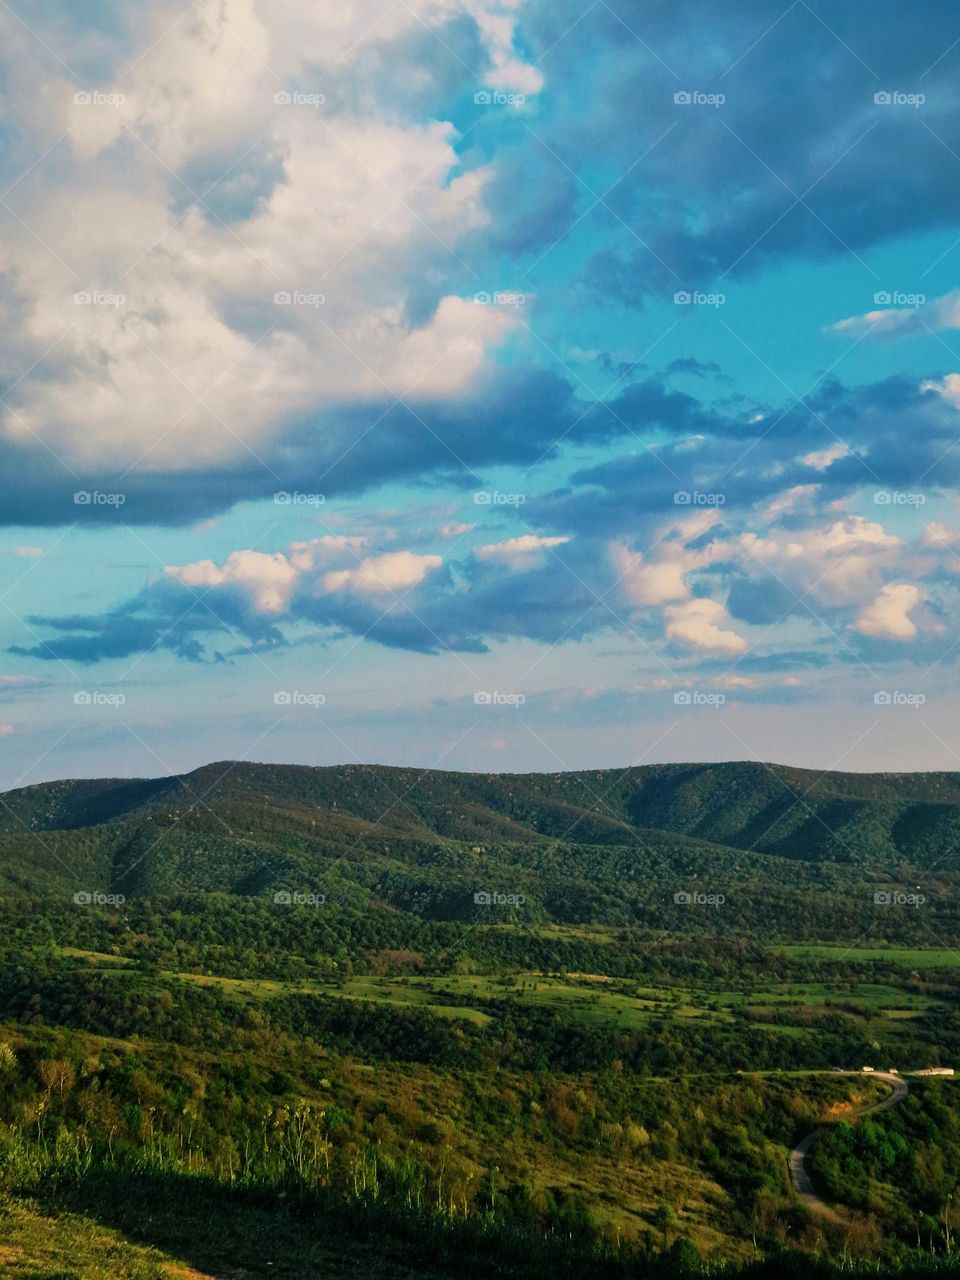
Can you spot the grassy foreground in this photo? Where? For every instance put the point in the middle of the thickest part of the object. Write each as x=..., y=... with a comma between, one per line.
x=142, y=1230
x=139, y=1237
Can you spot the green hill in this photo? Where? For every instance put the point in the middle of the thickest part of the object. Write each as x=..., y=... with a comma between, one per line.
x=603, y=846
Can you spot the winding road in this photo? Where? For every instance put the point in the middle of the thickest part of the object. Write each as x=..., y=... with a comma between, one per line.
x=798, y=1169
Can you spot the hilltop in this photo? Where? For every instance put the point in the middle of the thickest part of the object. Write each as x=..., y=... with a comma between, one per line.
x=603, y=845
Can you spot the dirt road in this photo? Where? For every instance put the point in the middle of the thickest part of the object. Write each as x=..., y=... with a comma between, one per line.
x=798, y=1169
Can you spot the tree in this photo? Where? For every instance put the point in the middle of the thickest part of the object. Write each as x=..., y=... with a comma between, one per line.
x=665, y=1218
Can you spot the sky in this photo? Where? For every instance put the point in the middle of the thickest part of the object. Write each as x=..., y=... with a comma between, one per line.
x=478, y=384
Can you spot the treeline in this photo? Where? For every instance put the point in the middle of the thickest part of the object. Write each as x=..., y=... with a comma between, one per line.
x=237, y=936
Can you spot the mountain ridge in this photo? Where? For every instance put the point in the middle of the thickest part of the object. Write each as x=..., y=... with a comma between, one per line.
x=600, y=846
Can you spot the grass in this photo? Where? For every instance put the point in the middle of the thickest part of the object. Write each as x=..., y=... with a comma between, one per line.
x=97, y=959
x=907, y=957
x=45, y=1246
x=375, y=989
x=588, y=1000
x=141, y=1237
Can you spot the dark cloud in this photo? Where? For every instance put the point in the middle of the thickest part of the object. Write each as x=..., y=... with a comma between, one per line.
x=798, y=161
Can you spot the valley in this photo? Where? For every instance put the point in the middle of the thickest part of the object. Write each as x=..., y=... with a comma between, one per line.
x=486, y=1005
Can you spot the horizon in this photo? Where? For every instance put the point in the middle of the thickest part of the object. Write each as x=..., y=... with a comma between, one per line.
x=623, y=770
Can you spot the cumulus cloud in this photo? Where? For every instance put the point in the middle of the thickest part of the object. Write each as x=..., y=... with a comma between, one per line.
x=269, y=581
x=696, y=625
x=393, y=571
x=287, y=233
x=887, y=618
x=189, y=335
x=651, y=581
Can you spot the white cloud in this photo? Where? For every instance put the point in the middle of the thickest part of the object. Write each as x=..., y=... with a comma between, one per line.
x=937, y=534
x=800, y=496
x=830, y=566
x=393, y=571
x=947, y=387
x=267, y=579
x=197, y=364
x=822, y=458
x=518, y=552
x=888, y=616
x=6, y=729
x=913, y=314
x=852, y=531
x=652, y=582
x=321, y=566
x=28, y=553
x=696, y=625
x=884, y=322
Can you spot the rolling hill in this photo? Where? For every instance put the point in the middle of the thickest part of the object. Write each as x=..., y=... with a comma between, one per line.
x=599, y=846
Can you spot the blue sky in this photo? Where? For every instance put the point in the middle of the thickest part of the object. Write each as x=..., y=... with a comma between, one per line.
x=489, y=384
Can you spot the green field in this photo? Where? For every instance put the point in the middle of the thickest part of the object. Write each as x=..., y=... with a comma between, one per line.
x=588, y=1000
x=904, y=957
